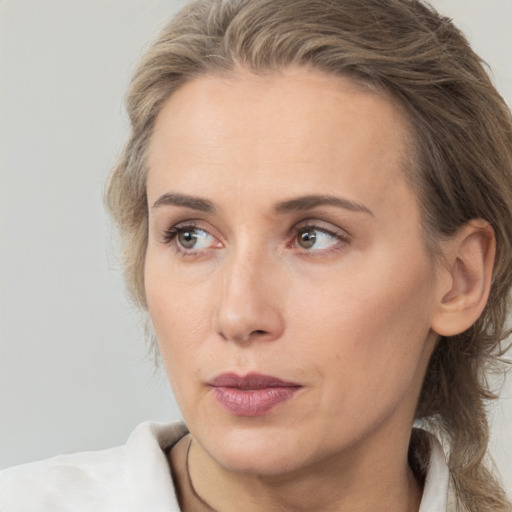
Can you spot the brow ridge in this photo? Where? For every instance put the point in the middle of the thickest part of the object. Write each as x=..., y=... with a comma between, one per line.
x=183, y=200
x=313, y=201
x=302, y=203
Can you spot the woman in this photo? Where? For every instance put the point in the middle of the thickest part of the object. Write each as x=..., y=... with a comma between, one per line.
x=315, y=203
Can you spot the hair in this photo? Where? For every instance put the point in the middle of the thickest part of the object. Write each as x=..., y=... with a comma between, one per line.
x=460, y=148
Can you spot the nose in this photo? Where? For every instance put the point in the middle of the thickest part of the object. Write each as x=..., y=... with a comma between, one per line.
x=248, y=307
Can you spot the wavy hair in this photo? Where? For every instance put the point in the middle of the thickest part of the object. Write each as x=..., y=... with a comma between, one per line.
x=460, y=149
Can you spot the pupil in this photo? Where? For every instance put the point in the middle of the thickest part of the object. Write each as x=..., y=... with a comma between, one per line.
x=187, y=239
x=307, y=239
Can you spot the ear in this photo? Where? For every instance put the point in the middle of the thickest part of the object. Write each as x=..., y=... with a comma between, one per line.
x=466, y=279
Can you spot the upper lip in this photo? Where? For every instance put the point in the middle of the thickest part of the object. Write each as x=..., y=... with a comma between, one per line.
x=250, y=381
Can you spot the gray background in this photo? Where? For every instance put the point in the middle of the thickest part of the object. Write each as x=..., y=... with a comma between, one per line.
x=74, y=371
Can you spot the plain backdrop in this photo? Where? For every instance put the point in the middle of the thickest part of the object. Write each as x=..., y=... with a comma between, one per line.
x=74, y=370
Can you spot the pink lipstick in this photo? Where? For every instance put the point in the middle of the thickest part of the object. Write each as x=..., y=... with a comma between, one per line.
x=252, y=395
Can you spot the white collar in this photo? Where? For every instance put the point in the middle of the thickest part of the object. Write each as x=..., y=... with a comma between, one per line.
x=435, y=491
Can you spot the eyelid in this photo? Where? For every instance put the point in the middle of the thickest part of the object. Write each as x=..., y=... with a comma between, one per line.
x=341, y=236
x=169, y=234
x=169, y=237
x=320, y=225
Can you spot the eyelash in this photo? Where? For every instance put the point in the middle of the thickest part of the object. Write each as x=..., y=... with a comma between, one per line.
x=170, y=235
x=342, y=238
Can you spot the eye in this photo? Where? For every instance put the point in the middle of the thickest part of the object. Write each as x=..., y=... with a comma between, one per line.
x=190, y=238
x=193, y=238
x=316, y=238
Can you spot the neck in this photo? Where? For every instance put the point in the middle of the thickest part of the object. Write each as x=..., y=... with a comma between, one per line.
x=377, y=477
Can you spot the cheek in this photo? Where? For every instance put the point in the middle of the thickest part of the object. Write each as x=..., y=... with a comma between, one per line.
x=178, y=335
x=369, y=329
x=179, y=314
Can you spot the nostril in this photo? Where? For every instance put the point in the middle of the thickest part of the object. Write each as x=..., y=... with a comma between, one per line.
x=259, y=331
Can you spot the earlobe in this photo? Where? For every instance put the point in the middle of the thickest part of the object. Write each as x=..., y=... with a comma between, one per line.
x=469, y=259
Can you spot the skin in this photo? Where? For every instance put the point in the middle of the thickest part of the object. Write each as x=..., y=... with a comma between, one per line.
x=350, y=318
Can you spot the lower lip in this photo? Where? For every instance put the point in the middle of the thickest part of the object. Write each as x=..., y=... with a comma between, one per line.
x=252, y=402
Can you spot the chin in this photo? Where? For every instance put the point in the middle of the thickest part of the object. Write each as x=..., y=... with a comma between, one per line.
x=262, y=451
x=258, y=461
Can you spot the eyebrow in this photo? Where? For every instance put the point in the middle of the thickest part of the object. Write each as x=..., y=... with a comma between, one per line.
x=302, y=203
x=194, y=203
x=313, y=201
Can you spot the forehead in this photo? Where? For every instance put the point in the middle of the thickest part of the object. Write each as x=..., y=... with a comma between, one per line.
x=290, y=131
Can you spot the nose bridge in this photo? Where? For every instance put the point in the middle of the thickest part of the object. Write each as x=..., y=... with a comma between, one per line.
x=247, y=306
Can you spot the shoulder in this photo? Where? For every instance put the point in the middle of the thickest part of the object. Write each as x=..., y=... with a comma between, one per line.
x=134, y=476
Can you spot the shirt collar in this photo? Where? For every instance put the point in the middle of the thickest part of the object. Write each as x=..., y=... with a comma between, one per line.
x=435, y=491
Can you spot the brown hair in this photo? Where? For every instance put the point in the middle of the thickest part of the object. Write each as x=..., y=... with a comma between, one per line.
x=461, y=151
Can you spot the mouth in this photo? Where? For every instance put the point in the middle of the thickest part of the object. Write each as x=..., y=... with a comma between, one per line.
x=251, y=395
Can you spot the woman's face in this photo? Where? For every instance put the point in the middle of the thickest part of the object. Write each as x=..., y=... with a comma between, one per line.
x=286, y=274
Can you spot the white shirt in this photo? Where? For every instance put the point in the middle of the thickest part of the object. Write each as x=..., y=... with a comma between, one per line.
x=136, y=478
